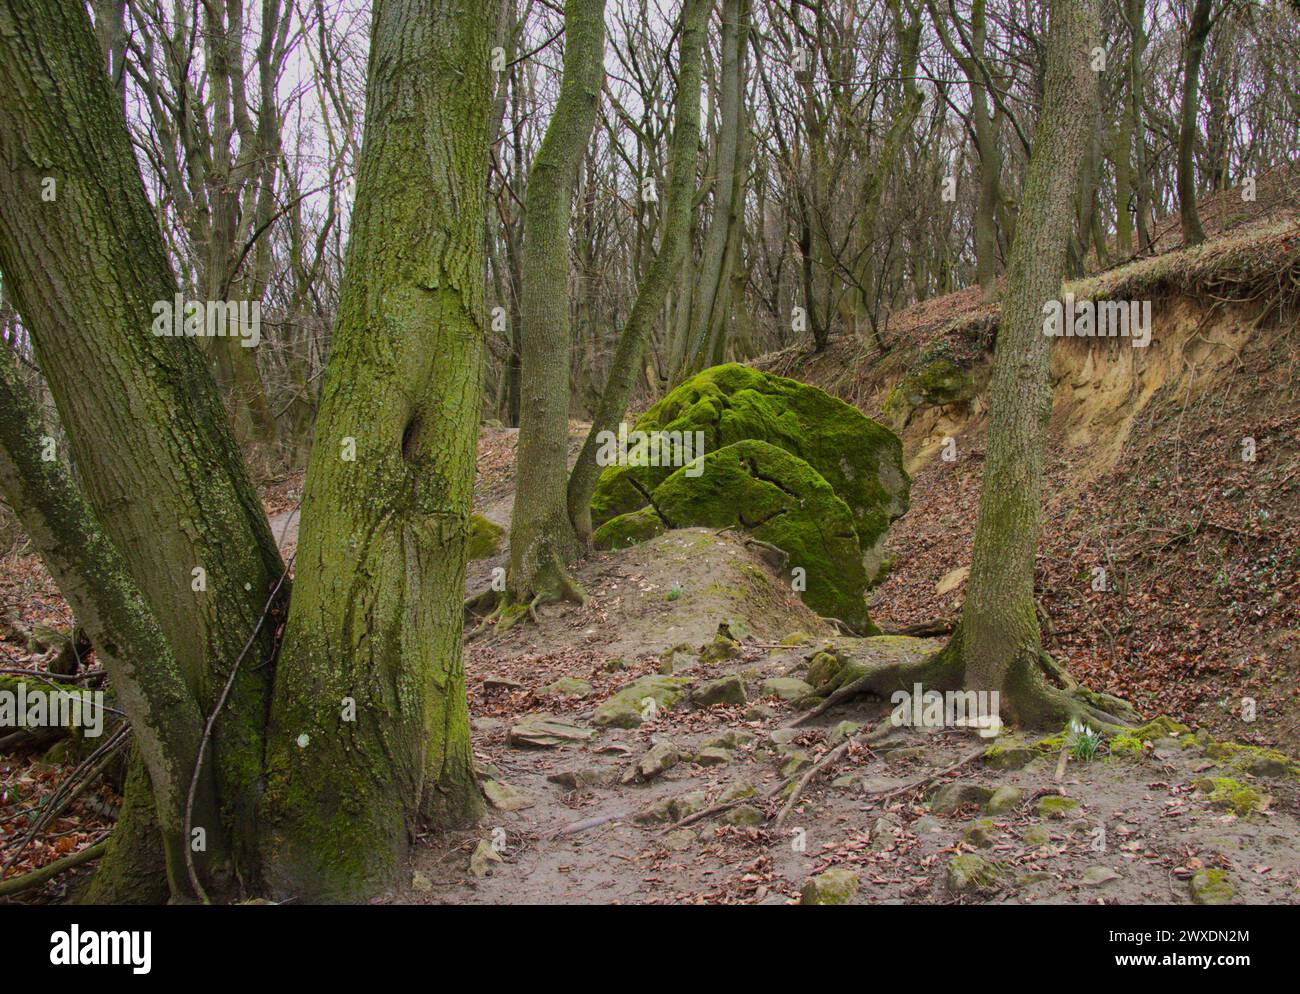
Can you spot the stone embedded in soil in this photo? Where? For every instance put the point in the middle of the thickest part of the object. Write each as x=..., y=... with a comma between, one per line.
x=679, y=839
x=786, y=688
x=567, y=686
x=1211, y=887
x=640, y=700
x=1036, y=835
x=677, y=661
x=483, y=859
x=503, y=797
x=759, y=712
x=796, y=761
x=420, y=882
x=835, y=886
x=1004, y=799
x=685, y=805
x=501, y=683
x=1055, y=806
x=546, y=731
x=660, y=757
x=884, y=834
x=952, y=796
x=1011, y=754
x=732, y=738
x=737, y=792
x=721, y=648
x=573, y=779
x=842, y=731
x=969, y=873
x=725, y=690
x=979, y=833
x=744, y=816
x=713, y=756
x=1097, y=876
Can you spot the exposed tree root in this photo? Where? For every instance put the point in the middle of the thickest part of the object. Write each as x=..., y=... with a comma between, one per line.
x=505, y=610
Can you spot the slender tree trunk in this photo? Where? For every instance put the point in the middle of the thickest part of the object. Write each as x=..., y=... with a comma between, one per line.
x=1197, y=32
x=542, y=541
x=626, y=365
x=998, y=638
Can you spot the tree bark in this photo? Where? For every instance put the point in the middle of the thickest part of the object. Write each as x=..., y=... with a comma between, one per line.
x=369, y=732
x=998, y=640
x=1197, y=32
x=542, y=540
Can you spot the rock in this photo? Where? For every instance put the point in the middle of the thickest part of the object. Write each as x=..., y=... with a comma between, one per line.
x=685, y=805
x=712, y=756
x=796, y=638
x=1036, y=835
x=1211, y=886
x=884, y=835
x=737, y=792
x=835, y=886
x=759, y=712
x=484, y=538
x=420, y=882
x=629, y=529
x=796, y=511
x=744, y=816
x=1097, y=876
x=546, y=731
x=952, y=796
x=721, y=648
x=567, y=686
x=1055, y=806
x=485, y=724
x=677, y=661
x=732, y=738
x=615, y=665
x=1004, y=799
x=844, y=782
x=979, y=833
x=951, y=580
x=842, y=731
x=784, y=736
x=503, y=797
x=574, y=779
x=483, y=859
x=934, y=380
x=660, y=811
x=860, y=460
x=968, y=873
x=786, y=688
x=679, y=839
x=639, y=700
x=660, y=757
x=796, y=761
x=1009, y=754
x=501, y=683
x=725, y=690
x=1227, y=794
x=824, y=668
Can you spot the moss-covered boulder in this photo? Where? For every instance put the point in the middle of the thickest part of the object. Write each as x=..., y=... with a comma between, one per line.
x=631, y=705
x=860, y=459
x=935, y=380
x=632, y=528
x=779, y=499
x=835, y=886
x=484, y=538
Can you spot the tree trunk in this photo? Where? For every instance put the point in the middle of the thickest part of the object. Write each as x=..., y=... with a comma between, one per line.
x=369, y=731
x=998, y=640
x=162, y=472
x=1197, y=32
x=626, y=364
x=542, y=541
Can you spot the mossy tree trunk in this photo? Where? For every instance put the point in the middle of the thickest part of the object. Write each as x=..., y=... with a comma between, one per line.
x=997, y=642
x=162, y=473
x=164, y=717
x=625, y=367
x=542, y=540
x=369, y=734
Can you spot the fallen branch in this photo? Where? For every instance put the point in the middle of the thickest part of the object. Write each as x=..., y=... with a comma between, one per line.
x=28, y=881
